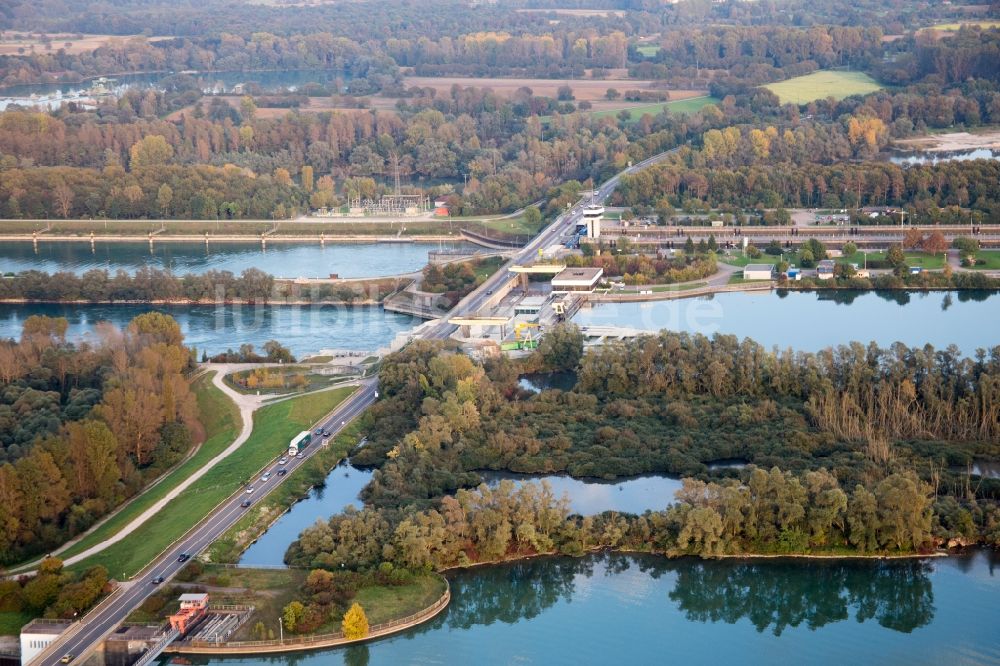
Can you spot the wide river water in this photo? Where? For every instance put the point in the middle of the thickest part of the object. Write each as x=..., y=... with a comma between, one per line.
x=216, y=328
x=639, y=609
x=289, y=260
x=810, y=321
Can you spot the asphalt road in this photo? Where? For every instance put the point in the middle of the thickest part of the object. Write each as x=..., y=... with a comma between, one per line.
x=97, y=624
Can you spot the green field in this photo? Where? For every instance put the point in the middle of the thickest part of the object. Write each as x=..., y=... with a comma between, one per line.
x=274, y=426
x=955, y=26
x=12, y=621
x=823, y=84
x=922, y=259
x=992, y=259
x=648, y=50
x=221, y=420
x=689, y=106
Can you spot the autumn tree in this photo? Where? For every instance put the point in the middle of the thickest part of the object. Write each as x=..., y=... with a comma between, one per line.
x=151, y=150
x=355, y=622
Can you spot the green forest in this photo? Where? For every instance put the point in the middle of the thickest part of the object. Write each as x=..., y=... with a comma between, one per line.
x=855, y=449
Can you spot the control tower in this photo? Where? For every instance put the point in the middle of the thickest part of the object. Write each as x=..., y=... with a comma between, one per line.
x=592, y=216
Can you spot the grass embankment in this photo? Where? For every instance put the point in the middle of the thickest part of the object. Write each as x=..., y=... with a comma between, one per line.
x=822, y=84
x=282, y=380
x=274, y=426
x=517, y=226
x=221, y=421
x=648, y=50
x=230, y=546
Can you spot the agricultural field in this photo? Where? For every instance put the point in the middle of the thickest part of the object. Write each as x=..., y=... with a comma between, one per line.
x=583, y=89
x=823, y=84
x=585, y=13
x=12, y=42
x=689, y=105
x=648, y=50
x=951, y=27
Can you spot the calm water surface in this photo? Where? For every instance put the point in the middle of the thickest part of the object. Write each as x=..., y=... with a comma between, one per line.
x=288, y=260
x=52, y=95
x=592, y=496
x=810, y=321
x=340, y=490
x=620, y=609
x=216, y=328
x=928, y=157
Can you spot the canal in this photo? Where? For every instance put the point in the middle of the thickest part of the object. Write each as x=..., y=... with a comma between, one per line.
x=810, y=321
x=289, y=260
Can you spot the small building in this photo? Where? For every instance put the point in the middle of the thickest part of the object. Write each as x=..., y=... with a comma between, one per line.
x=824, y=270
x=758, y=272
x=577, y=279
x=38, y=634
x=592, y=216
x=193, y=608
x=530, y=305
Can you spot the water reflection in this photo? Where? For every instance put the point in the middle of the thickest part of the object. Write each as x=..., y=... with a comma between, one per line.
x=778, y=595
x=810, y=321
x=647, y=609
x=215, y=328
x=773, y=595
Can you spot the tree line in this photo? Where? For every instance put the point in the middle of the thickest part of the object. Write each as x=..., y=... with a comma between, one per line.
x=942, y=193
x=86, y=426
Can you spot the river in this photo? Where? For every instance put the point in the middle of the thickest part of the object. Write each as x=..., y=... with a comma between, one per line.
x=52, y=95
x=216, y=328
x=810, y=321
x=641, y=609
x=290, y=260
x=928, y=157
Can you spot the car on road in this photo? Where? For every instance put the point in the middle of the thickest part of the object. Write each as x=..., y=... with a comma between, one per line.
x=489, y=292
x=250, y=490
x=319, y=432
x=157, y=580
x=300, y=454
x=282, y=471
x=283, y=461
x=245, y=503
x=326, y=433
x=267, y=475
x=183, y=557
x=66, y=658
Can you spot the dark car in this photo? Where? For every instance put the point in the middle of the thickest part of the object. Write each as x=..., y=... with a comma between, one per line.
x=245, y=503
x=157, y=580
x=326, y=433
x=319, y=432
x=282, y=471
x=183, y=557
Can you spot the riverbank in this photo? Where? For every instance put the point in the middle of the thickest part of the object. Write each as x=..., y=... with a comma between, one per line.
x=390, y=609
